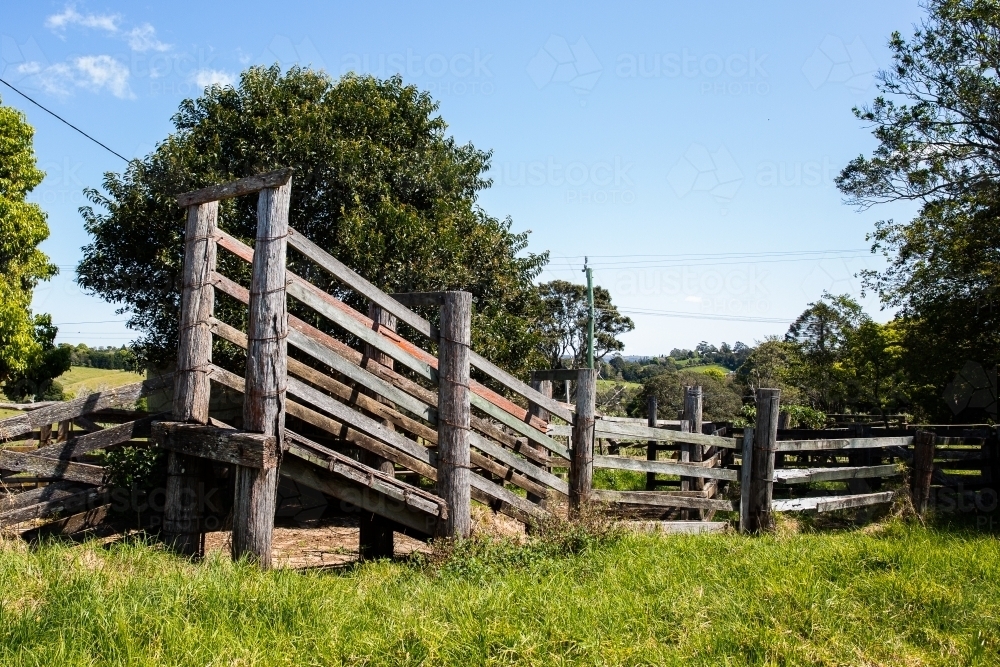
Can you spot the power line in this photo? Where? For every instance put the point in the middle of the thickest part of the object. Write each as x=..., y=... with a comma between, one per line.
x=53, y=113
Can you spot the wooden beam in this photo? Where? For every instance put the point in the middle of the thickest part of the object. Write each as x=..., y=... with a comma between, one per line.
x=556, y=375
x=82, y=444
x=657, y=499
x=830, y=503
x=73, y=472
x=693, y=470
x=53, y=491
x=746, y=463
x=840, y=443
x=243, y=186
x=253, y=450
x=411, y=299
x=266, y=373
x=806, y=475
x=124, y=395
x=922, y=471
x=57, y=504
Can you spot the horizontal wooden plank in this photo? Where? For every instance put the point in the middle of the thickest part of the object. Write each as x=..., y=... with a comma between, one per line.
x=806, y=475
x=129, y=393
x=67, y=470
x=511, y=504
x=523, y=466
x=82, y=499
x=619, y=430
x=840, y=443
x=377, y=480
x=412, y=299
x=526, y=430
x=53, y=491
x=346, y=275
x=556, y=374
x=675, y=527
x=252, y=450
x=298, y=291
x=660, y=499
x=102, y=439
x=304, y=337
x=511, y=382
x=27, y=407
x=361, y=496
x=243, y=186
x=355, y=419
x=830, y=503
x=336, y=309
x=665, y=467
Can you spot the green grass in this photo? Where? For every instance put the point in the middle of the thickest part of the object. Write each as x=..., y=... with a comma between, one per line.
x=705, y=368
x=84, y=379
x=604, y=385
x=900, y=596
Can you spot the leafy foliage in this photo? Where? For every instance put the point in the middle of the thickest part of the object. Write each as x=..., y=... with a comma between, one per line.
x=22, y=228
x=565, y=318
x=935, y=120
x=721, y=398
x=377, y=183
x=45, y=363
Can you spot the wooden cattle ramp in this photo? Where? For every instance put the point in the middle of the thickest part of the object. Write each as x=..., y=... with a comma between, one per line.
x=408, y=429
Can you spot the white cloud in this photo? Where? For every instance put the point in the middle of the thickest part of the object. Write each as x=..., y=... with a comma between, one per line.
x=69, y=16
x=93, y=73
x=143, y=38
x=104, y=72
x=208, y=77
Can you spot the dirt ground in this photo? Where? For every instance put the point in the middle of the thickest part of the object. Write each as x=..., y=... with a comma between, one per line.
x=331, y=544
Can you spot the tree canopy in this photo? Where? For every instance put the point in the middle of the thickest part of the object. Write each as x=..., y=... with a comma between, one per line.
x=564, y=323
x=24, y=338
x=936, y=121
x=378, y=184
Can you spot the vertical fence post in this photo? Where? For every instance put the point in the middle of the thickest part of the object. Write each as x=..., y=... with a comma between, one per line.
x=375, y=538
x=692, y=414
x=544, y=387
x=760, y=518
x=923, y=470
x=581, y=469
x=266, y=377
x=454, y=413
x=746, y=465
x=182, y=504
x=651, y=445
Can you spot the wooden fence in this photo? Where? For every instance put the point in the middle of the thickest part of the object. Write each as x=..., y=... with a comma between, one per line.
x=409, y=431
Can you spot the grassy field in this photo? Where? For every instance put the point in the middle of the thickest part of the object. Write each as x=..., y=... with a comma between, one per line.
x=81, y=379
x=896, y=595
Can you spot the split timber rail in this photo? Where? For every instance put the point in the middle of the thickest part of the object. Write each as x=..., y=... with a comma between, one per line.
x=399, y=430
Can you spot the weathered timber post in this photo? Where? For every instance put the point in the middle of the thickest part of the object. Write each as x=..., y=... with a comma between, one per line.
x=454, y=413
x=765, y=439
x=651, y=445
x=182, y=512
x=45, y=435
x=63, y=432
x=746, y=465
x=581, y=469
x=375, y=538
x=692, y=415
x=923, y=470
x=266, y=376
x=543, y=387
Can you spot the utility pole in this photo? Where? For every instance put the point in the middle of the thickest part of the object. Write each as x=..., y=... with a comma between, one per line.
x=590, y=319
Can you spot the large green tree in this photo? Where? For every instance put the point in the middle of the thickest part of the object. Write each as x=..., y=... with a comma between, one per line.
x=23, y=346
x=564, y=323
x=378, y=183
x=937, y=122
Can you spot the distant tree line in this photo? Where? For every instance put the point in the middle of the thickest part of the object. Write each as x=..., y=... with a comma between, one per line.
x=111, y=358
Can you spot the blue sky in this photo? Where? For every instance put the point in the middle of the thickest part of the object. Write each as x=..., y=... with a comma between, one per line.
x=688, y=149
